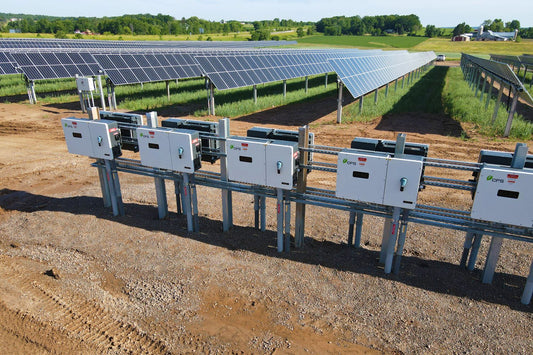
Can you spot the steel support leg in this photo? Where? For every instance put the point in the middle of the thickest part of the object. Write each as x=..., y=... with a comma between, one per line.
x=161, y=195
x=177, y=191
x=466, y=248
x=358, y=229
x=351, y=228
x=391, y=244
x=263, y=213
x=528, y=290
x=492, y=259
x=280, y=218
x=106, y=196
x=475, y=250
x=401, y=243
x=187, y=199
x=256, y=211
x=194, y=198
x=287, y=239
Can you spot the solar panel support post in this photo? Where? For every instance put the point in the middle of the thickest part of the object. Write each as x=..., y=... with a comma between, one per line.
x=387, y=90
x=326, y=81
x=211, y=98
x=403, y=80
x=497, y=104
x=227, y=210
x=299, y=228
x=485, y=78
x=525, y=73
x=284, y=88
x=306, y=84
x=528, y=290
x=168, y=90
x=518, y=162
x=395, y=84
x=489, y=92
x=361, y=104
x=376, y=96
x=255, y=93
x=478, y=82
x=512, y=111
x=100, y=87
x=339, y=103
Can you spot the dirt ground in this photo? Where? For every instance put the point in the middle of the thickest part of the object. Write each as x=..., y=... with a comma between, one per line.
x=75, y=279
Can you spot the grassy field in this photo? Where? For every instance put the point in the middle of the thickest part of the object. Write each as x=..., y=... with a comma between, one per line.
x=383, y=42
x=454, y=49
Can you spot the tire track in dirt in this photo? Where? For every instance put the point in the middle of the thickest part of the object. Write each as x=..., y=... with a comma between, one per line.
x=78, y=320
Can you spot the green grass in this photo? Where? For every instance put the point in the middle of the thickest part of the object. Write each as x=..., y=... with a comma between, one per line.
x=383, y=42
x=446, y=46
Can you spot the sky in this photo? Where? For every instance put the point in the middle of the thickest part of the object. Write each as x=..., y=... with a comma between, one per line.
x=447, y=13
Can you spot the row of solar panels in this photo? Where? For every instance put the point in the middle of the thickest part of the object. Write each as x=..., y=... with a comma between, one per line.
x=44, y=43
x=361, y=70
x=525, y=60
x=496, y=69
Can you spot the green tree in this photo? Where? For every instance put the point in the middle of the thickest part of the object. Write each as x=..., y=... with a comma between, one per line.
x=300, y=32
x=513, y=25
x=460, y=29
x=432, y=31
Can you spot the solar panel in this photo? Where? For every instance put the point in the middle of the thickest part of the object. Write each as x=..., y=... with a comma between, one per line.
x=41, y=65
x=7, y=66
x=362, y=75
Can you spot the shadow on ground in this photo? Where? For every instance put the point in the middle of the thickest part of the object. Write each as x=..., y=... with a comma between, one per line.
x=430, y=275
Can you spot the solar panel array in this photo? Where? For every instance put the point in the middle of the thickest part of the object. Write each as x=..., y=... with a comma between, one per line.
x=142, y=67
x=55, y=65
x=362, y=75
x=501, y=71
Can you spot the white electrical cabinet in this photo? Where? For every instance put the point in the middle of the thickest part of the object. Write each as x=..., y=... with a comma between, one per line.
x=361, y=176
x=85, y=84
x=154, y=147
x=504, y=195
x=94, y=138
x=262, y=161
x=171, y=149
x=378, y=178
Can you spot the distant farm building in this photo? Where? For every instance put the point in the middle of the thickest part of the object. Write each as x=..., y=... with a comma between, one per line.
x=488, y=35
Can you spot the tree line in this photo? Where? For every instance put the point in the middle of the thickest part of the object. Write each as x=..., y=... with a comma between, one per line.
x=374, y=25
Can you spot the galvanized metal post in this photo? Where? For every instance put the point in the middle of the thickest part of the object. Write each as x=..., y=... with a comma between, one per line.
x=227, y=210
x=403, y=80
x=160, y=188
x=168, y=89
x=401, y=241
x=339, y=103
x=391, y=242
x=106, y=196
x=306, y=84
x=102, y=97
x=474, y=252
x=194, y=198
x=466, y=248
x=303, y=159
x=287, y=238
x=518, y=162
x=255, y=94
x=361, y=104
x=284, y=88
x=113, y=195
x=478, y=82
x=187, y=200
x=387, y=90
x=262, y=209
x=177, y=192
x=528, y=289
x=212, y=97
x=113, y=97
x=483, y=89
x=497, y=104
x=395, y=84
x=351, y=227
x=511, y=114
x=525, y=73
x=376, y=97
x=256, y=211
x=32, y=87
x=326, y=80
x=279, y=193
x=358, y=229
x=489, y=93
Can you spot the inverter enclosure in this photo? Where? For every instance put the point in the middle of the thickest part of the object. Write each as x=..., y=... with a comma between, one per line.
x=185, y=150
x=504, y=195
x=398, y=169
x=77, y=136
x=210, y=145
x=154, y=147
x=375, y=177
x=97, y=139
x=85, y=84
x=361, y=175
x=246, y=159
x=127, y=123
x=282, y=155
